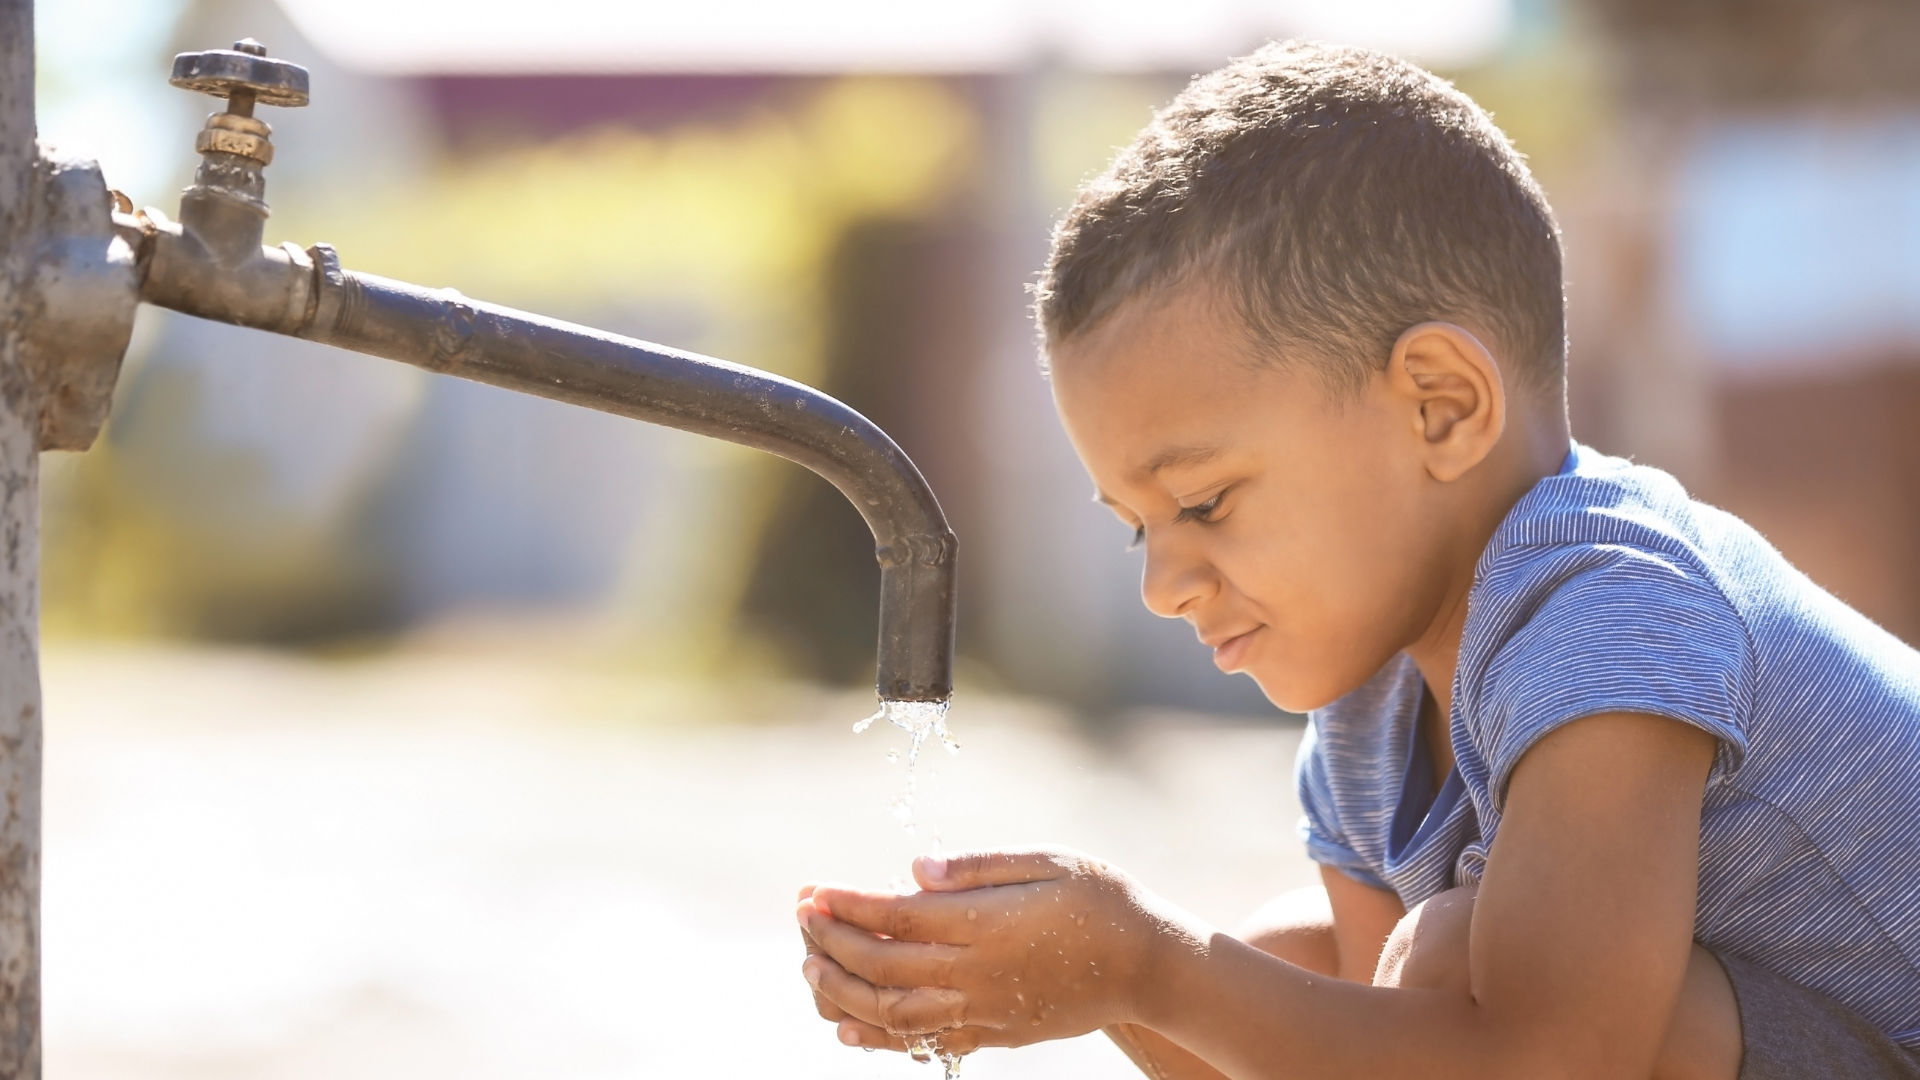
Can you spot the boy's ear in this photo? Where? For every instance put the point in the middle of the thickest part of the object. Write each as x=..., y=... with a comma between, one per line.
x=1447, y=372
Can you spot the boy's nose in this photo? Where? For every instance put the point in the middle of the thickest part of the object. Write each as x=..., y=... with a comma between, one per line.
x=1173, y=583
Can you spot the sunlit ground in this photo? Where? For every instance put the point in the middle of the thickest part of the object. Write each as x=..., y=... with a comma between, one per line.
x=454, y=863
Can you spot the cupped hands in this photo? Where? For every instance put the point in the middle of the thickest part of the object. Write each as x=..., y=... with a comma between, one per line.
x=998, y=949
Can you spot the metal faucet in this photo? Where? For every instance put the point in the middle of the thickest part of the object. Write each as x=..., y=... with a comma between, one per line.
x=211, y=263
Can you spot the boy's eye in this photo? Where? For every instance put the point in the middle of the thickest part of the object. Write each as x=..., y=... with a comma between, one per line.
x=1201, y=512
x=1139, y=537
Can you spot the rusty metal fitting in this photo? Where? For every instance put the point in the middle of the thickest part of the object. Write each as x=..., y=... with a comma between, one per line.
x=231, y=133
x=84, y=289
x=187, y=269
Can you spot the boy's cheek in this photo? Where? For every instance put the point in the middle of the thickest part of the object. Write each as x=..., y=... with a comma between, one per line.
x=1311, y=670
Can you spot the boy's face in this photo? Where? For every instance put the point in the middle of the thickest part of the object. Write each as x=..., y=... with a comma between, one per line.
x=1296, y=534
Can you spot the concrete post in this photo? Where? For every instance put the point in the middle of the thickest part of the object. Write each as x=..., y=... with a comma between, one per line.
x=20, y=727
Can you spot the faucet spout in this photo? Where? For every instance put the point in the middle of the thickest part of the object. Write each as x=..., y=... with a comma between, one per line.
x=309, y=294
x=443, y=331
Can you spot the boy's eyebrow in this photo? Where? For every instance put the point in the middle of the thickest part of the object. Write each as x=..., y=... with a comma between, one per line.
x=1173, y=457
x=1180, y=457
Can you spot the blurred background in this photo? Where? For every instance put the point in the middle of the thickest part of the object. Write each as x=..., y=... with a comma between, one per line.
x=399, y=723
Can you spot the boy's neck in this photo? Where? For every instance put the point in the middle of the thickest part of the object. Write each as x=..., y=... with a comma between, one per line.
x=1535, y=447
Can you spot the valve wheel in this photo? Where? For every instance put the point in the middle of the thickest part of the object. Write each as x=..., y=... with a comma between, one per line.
x=242, y=71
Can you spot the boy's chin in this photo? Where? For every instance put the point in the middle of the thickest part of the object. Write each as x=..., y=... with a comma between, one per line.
x=1294, y=692
x=1300, y=690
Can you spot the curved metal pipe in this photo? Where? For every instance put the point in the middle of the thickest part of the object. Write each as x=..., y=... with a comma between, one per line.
x=442, y=331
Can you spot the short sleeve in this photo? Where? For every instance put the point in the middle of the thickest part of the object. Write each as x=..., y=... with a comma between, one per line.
x=1620, y=629
x=1320, y=826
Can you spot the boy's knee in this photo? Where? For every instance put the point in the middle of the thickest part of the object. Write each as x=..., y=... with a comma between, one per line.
x=1296, y=927
x=1428, y=949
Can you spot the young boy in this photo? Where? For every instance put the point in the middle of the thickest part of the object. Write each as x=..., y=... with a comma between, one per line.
x=1599, y=785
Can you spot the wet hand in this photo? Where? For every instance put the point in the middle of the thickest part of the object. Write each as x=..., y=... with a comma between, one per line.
x=852, y=1031
x=1000, y=949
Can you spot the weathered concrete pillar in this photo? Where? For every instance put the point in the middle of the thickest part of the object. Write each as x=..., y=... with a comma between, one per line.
x=20, y=729
x=68, y=289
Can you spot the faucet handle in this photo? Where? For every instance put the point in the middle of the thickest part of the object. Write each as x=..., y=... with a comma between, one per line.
x=226, y=206
x=244, y=75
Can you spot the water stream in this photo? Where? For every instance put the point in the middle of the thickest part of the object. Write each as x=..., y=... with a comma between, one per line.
x=918, y=719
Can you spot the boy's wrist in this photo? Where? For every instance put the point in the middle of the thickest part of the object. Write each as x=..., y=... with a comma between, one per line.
x=1173, y=945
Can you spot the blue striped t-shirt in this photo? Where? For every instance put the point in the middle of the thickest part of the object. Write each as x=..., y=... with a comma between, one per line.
x=1607, y=589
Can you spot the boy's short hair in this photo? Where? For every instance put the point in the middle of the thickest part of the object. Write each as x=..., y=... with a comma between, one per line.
x=1338, y=196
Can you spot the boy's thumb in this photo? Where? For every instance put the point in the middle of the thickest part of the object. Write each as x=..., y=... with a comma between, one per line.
x=978, y=869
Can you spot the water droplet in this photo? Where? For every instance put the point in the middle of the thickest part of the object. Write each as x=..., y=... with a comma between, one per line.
x=926, y=1048
x=893, y=757
x=972, y=915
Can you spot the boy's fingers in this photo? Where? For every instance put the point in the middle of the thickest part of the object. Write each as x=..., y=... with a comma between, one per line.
x=960, y=1041
x=915, y=1011
x=977, y=869
x=922, y=1010
x=882, y=962
x=930, y=918
x=853, y=997
x=966, y=1040
x=824, y=1005
x=806, y=939
x=800, y=913
x=813, y=970
x=860, y=1033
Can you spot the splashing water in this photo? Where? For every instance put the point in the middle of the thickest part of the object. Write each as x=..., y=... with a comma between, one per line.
x=925, y=1048
x=918, y=719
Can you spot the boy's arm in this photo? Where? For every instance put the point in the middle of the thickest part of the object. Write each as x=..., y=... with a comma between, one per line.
x=1363, y=917
x=1345, y=940
x=1580, y=939
x=1580, y=936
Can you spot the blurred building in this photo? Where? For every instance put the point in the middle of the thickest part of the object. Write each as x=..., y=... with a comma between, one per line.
x=1747, y=285
x=858, y=202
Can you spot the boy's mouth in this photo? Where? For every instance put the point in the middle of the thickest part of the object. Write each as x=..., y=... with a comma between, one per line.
x=1228, y=654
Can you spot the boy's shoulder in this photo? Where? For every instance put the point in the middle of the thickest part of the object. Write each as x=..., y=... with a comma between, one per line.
x=1604, y=530
x=1607, y=588
x=1599, y=500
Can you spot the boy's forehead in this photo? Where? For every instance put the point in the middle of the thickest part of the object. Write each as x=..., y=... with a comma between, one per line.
x=1196, y=311
x=1160, y=387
